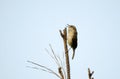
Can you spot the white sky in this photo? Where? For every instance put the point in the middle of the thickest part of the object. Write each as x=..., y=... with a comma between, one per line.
x=27, y=27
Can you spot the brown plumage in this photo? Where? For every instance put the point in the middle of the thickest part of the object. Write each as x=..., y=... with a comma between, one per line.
x=72, y=38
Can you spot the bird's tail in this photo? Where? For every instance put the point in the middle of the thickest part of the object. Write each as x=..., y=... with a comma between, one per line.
x=73, y=54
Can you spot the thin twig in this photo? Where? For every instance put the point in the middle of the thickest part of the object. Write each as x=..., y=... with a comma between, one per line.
x=51, y=56
x=54, y=55
x=57, y=60
x=45, y=68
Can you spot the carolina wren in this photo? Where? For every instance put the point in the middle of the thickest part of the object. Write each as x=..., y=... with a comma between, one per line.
x=72, y=38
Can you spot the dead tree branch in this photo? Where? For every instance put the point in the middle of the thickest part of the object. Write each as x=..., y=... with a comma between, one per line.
x=61, y=73
x=43, y=68
x=64, y=36
x=90, y=74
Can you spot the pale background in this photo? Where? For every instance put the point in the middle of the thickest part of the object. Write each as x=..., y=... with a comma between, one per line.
x=27, y=27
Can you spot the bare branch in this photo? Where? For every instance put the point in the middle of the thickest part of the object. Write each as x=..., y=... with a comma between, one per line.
x=61, y=33
x=58, y=60
x=90, y=74
x=51, y=56
x=64, y=36
x=45, y=68
x=54, y=55
x=60, y=72
x=62, y=66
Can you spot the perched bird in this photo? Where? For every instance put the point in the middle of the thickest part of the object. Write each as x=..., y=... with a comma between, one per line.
x=72, y=38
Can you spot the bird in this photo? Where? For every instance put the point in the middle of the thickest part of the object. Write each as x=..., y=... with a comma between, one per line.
x=72, y=38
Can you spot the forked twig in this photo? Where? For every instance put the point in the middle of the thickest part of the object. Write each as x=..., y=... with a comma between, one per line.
x=60, y=72
x=90, y=74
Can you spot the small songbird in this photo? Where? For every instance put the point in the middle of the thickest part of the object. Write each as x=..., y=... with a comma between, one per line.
x=72, y=38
